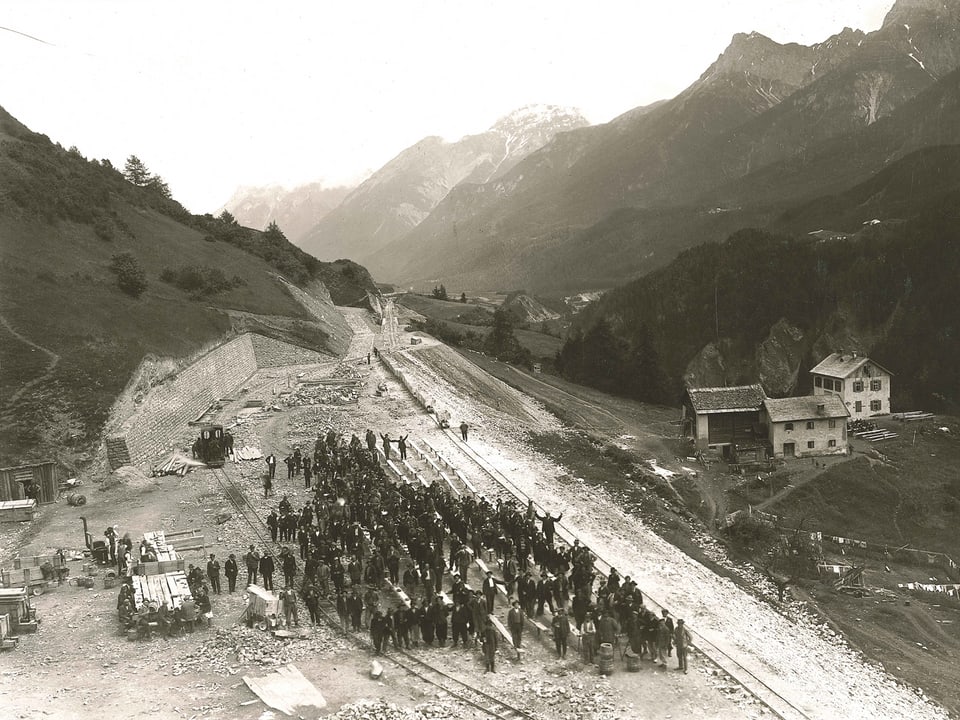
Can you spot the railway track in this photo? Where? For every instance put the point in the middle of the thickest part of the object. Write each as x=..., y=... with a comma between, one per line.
x=746, y=678
x=456, y=688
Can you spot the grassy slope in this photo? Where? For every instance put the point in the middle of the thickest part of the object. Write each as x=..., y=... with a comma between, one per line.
x=899, y=497
x=70, y=337
x=58, y=292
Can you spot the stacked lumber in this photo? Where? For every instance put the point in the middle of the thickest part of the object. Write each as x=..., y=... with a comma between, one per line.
x=913, y=416
x=169, y=588
x=158, y=542
x=876, y=435
x=177, y=464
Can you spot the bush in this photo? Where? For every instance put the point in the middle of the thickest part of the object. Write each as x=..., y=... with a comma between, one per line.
x=131, y=278
x=200, y=281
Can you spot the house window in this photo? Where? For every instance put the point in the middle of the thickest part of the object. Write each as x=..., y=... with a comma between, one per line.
x=788, y=426
x=858, y=406
x=833, y=424
x=831, y=443
x=838, y=385
x=811, y=424
x=858, y=385
x=818, y=381
x=876, y=405
x=875, y=385
x=810, y=444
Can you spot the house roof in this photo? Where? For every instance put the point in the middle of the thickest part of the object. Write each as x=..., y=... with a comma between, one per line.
x=805, y=408
x=740, y=398
x=840, y=365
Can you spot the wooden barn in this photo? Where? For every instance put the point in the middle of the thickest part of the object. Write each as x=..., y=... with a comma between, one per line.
x=14, y=482
x=723, y=417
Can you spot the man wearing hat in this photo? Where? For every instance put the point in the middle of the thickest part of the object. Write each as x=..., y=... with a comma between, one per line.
x=489, y=590
x=682, y=638
x=213, y=573
x=515, y=622
x=561, y=631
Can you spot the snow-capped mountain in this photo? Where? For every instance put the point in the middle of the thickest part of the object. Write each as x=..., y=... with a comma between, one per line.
x=405, y=190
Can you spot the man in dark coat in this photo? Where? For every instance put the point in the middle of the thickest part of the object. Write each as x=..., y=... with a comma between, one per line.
x=490, y=640
x=231, y=570
x=561, y=631
x=266, y=570
x=548, y=525
x=355, y=607
x=460, y=620
x=252, y=560
x=289, y=568
x=213, y=573
x=489, y=591
x=515, y=620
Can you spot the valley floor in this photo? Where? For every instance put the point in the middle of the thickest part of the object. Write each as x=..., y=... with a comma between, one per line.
x=79, y=666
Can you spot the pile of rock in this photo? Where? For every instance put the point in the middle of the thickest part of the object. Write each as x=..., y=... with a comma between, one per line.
x=323, y=394
x=591, y=699
x=382, y=710
x=231, y=649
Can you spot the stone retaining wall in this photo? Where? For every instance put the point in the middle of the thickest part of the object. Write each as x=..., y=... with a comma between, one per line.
x=167, y=409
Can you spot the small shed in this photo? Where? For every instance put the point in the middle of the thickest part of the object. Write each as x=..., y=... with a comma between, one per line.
x=14, y=481
x=723, y=417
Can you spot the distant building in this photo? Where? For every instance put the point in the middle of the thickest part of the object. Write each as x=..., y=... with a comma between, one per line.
x=723, y=417
x=863, y=385
x=806, y=426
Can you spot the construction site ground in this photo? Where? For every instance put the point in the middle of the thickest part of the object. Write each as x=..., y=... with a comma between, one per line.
x=79, y=665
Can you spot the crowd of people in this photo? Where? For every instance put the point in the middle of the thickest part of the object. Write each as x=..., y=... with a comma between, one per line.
x=361, y=529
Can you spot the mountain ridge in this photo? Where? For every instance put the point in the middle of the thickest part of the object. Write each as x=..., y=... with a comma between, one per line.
x=407, y=188
x=761, y=105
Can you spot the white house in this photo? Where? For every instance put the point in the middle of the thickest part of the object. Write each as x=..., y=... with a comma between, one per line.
x=806, y=426
x=862, y=384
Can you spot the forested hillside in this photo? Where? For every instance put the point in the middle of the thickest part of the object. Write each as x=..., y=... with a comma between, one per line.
x=890, y=291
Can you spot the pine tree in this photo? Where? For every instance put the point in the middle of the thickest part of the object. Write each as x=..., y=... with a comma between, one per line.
x=136, y=172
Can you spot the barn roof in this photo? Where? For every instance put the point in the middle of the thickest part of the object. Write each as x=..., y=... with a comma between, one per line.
x=842, y=365
x=739, y=398
x=805, y=408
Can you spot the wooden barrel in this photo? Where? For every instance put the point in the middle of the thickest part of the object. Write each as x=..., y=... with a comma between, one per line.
x=633, y=661
x=605, y=659
x=76, y=499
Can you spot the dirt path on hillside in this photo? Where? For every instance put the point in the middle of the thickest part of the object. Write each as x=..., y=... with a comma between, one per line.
x=51, y=366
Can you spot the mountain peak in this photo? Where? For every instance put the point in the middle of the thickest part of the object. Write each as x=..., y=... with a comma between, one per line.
x=529, y=116
x=907, y=11
x=753, y=54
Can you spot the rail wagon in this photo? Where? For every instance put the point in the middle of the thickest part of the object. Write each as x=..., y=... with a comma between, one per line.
x=210, y=446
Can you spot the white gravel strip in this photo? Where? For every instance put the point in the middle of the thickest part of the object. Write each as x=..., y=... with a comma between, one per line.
x=804, y=661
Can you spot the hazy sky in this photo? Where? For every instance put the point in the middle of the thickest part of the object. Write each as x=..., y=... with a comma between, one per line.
x=212, y=95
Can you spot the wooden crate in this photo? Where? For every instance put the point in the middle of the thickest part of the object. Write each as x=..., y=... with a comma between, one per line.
x=17, y=510
x=30, y=561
